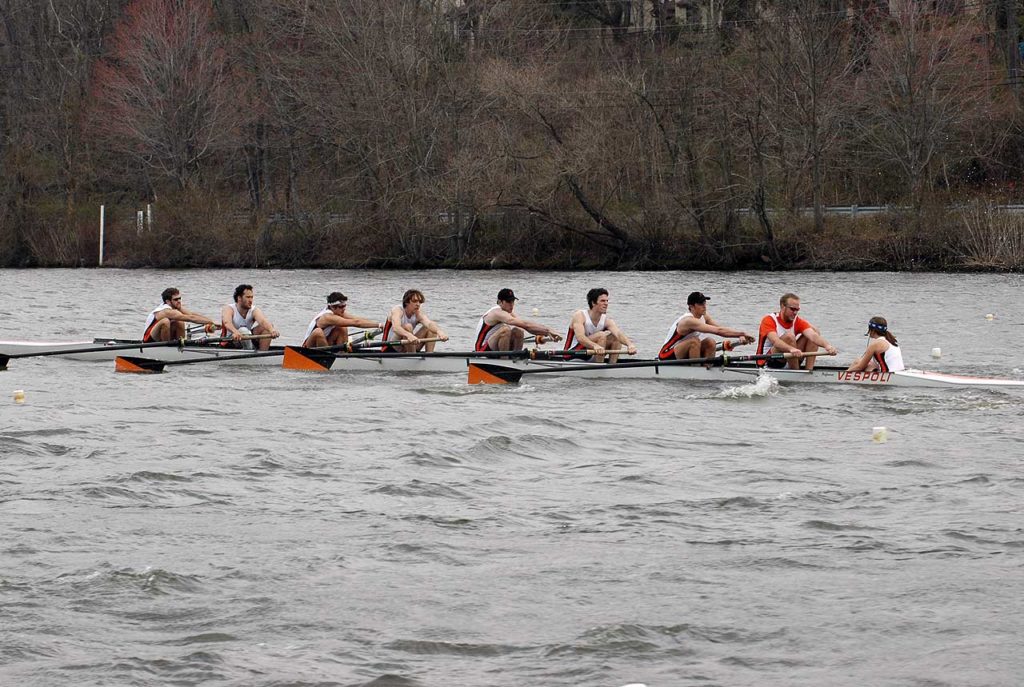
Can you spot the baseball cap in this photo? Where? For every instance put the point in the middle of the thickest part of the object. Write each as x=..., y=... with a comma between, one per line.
x=697, y=297
x=507, y=295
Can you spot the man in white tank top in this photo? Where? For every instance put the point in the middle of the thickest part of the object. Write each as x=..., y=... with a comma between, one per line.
x=329, y=327
x=407, y=324
x=592, y=329
x=242, y=318
x=500, y=329
x=690, y=336
x=167, y=321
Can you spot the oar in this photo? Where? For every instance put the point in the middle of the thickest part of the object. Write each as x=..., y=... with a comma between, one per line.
x=482, y=373
x=321, y=360
x=137, y=364
x=180, y=343
x=396, y=342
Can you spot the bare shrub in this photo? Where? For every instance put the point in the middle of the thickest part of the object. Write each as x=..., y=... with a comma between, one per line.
x=991, y=239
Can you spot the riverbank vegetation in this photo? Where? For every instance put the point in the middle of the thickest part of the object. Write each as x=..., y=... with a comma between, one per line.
x=615, y=134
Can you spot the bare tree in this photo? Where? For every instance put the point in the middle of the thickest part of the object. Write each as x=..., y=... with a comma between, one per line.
x=923, y=95
x=165, y=94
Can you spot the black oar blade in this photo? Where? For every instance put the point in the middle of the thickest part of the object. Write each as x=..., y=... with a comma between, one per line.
x=3, y=361
x=309, y=359
x=137, y=365
x=493, y=374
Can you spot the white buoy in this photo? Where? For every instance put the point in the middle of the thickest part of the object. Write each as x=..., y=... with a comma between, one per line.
x=536, y=311
x=990, y=316
x=879, y=435
x=19, y=396
x=936, y=352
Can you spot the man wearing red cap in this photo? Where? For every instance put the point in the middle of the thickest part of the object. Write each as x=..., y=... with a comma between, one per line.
x=690, y=335
x=500, y=329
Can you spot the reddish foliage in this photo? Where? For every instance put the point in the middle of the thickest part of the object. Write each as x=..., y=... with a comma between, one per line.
x=165, y=94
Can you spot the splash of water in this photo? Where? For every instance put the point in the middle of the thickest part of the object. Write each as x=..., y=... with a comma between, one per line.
x=764, y=386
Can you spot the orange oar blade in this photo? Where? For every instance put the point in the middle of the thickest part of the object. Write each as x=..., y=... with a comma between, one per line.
x=492, y=374
x=311, y=360
x=132, y=364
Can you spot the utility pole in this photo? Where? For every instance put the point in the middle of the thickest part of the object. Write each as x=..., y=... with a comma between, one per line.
x=1012, y=43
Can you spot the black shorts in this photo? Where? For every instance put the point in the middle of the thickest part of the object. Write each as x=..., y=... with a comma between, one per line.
x=776, y=363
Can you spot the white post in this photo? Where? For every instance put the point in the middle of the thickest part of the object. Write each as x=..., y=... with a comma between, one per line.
x=102, y=207
x=149, y=216
x=138, y=222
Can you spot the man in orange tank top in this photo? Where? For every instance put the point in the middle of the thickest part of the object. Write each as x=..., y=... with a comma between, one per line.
x=787, y=332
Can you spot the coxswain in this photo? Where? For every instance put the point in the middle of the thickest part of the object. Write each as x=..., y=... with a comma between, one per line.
x=883, y=352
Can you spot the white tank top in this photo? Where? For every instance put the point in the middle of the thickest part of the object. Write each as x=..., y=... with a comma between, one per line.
x=312, y=325
x=152, y=315
x=409, y=323
x=764, y=346
x=673, y=336
x=893, y=358
x=589, y=328
x=483, y=329
x=248, y=321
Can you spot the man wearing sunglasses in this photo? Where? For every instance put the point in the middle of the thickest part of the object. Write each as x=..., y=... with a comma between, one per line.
x=330, y=326
x=167, y=321
x=786, y=332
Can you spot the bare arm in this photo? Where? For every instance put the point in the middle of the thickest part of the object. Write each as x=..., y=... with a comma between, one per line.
x=262, y=321
x=337, y=321
x=712, y=327
x=865, y=361
x=528, y=325
x=227, y=320
x=395, y=318
x=433, y=327
x=812, y=334
x=620, y=335
x=182, y=315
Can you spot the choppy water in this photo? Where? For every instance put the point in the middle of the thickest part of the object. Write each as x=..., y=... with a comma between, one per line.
x=267, y=527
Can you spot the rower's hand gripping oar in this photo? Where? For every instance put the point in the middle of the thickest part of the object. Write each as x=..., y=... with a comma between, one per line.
x=482, y=373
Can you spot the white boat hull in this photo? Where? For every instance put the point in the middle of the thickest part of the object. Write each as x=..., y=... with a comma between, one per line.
x=116, y=347
x=745, y=372
x=459, y=364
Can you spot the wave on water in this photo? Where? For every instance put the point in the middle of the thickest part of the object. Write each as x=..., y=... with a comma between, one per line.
x=103, y=581
x=764, y=386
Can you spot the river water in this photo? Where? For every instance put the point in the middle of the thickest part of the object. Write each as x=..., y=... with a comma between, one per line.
x=233, y=526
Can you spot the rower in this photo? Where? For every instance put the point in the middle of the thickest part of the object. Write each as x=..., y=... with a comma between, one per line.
x=883, y=352
x=593, y=329
x=691, y=335
x=243, y=319
x=167, y=321
x=786, y=332
x=330, y=326
x=500, y=329
x=407, y=323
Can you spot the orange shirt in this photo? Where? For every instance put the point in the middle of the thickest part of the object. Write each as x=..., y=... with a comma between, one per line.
x=772, y=322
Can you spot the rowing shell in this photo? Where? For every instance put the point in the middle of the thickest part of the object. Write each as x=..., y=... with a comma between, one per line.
x=192, y=350
x=743, y=372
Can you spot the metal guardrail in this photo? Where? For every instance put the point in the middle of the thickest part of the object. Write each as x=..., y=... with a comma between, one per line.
x=854, y=210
